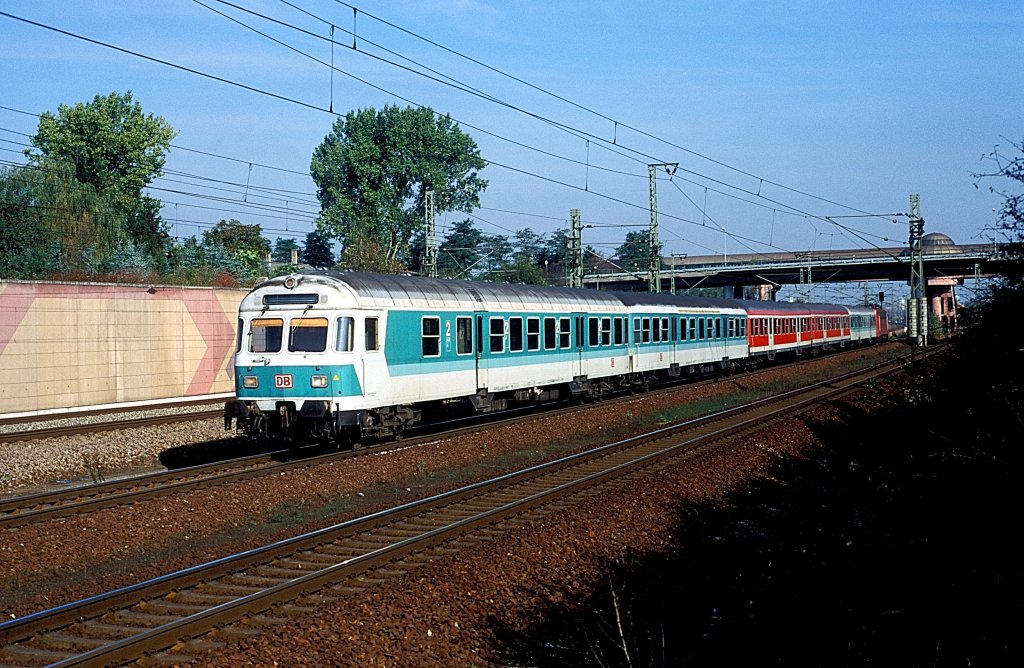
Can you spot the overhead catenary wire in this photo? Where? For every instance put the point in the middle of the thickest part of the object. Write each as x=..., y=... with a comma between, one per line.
x=308, y=105
x=616, y=123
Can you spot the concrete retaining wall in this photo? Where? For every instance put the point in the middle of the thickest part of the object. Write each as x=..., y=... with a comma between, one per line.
x=65, y=345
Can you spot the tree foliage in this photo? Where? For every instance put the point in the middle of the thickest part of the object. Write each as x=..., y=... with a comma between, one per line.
x=49, y=221
x=317, y=251
x=634, y=253
x=458, y=254
x=283, y=250
x=235, y=236
x=374, y=167
x=115, y=148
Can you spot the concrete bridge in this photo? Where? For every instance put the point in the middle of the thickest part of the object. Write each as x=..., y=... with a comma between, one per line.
x=946, y=265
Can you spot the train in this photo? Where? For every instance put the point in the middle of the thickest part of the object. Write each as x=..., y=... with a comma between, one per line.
x=347, y=356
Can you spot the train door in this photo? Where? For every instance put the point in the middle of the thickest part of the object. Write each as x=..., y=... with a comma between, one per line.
x=371, y=359
x=579, y=367
x=478, y=351
x=631, y=341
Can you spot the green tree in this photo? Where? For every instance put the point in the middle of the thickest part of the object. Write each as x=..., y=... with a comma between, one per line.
x=634, y=254
x=283, y=250
x=236, y=236
x=374, y=167
x=115, y=148
x=523, y=270
x=317, y=251
x=497, y=256
x=51, y=222
x=460, y=250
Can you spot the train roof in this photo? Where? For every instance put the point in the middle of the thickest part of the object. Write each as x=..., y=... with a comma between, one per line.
x=680, y=301
x=383, y=290
x=368, y=290
x=793, y=308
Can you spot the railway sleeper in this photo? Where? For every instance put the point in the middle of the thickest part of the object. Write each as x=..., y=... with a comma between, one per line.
x=62, y=640
x=29, y=656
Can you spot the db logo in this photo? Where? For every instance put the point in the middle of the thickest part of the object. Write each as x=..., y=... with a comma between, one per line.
x=283, y=381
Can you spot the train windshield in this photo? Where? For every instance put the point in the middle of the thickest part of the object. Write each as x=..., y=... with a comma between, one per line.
x=265, y=335
x=307, y=335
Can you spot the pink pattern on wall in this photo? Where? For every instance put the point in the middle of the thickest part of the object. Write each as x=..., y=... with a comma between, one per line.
x=204, y=308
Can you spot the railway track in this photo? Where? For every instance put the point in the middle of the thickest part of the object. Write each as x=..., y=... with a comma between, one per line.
x=29, y=433
x=45, y=506
x=178, y=616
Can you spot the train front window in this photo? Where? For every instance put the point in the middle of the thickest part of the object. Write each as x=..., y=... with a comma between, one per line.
x=265, y=335
x=307, y=335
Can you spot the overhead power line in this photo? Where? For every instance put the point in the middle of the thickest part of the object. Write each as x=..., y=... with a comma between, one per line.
x=318, y=108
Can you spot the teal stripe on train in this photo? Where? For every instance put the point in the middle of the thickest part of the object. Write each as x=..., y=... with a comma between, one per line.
x=341, y=382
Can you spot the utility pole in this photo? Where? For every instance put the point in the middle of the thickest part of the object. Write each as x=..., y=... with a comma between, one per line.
x=430, y=255
x=574, y=250
x=654, y=251
x=917, y=311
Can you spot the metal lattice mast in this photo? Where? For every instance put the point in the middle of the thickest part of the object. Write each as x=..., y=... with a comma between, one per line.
x=574, y=250
x=653, y=261
x=917, y=314
x=430, y=255
x=654, y=250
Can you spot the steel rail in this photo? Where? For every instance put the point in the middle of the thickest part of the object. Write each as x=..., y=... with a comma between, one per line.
x=375, y=540
x=45, y=506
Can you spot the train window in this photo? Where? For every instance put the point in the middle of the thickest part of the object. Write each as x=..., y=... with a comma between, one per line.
x=343, y=339
x=700, y=328
x=533, y=333
x=307, y=335
x=431, y=336
x=606, y=331
x=594, y=332
x=693, y=328
x=370, y=334
x=637, y=335
x=732, y=327
x=645, y=330
x=515, y=335
x=743, y=327
x=656, y=333
x=550, y=333
x=265, y=335
x=463, y=336
x=238, y=337
x=618, y=331
x=664, y=329
x=564, y=334
x=497, y=335
x=682, y=329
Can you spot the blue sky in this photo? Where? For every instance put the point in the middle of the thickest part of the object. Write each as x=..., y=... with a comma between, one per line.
x=859, y=104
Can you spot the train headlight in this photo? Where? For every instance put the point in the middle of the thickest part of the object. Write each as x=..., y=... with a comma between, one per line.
x=318, y=381
x=250, y=382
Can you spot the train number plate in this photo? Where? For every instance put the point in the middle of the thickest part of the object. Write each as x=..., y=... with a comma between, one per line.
x=283, y=380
